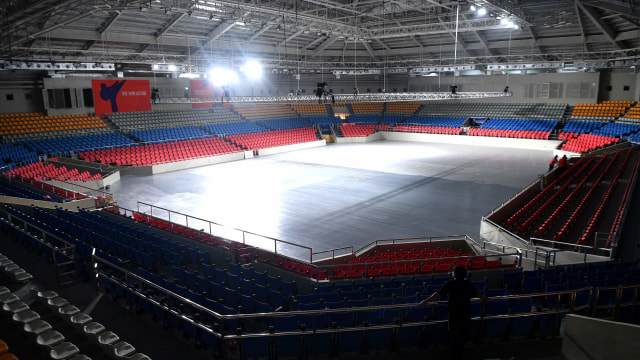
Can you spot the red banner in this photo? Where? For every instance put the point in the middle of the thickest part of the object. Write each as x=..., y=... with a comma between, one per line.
x=111, y=96
x=201, y=89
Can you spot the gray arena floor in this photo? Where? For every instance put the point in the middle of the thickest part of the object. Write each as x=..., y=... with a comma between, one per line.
x=346, y=194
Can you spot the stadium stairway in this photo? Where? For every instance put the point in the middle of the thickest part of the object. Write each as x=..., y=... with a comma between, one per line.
x=557, y=130
x=350, y=108
x=330, y=111
x=629, y=242
x=567, y=113
x=112, y=125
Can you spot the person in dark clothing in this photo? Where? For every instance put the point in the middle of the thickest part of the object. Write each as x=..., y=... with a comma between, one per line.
x=553, y=162
x=460, y=292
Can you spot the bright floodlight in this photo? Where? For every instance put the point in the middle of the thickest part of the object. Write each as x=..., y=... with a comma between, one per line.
x=472, y=8
x=221, y=76
x=253, y=70
x=504, y=21
x=482, y=11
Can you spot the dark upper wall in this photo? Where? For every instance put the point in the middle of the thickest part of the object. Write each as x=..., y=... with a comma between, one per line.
x=21, y=92
x=619, y=85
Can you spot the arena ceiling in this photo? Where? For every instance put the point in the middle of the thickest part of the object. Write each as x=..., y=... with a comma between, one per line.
x=307, y=35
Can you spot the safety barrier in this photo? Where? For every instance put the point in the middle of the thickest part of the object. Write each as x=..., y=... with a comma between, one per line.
x=315, y=325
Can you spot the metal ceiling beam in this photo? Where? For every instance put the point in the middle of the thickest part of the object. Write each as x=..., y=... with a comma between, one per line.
x=435, y=28
x=88, y=45
x=260, y=32
x=536, y=45
x=330, y=40
x=507, y=6
x=616, y=6
x=175, y=40
x=126, y=56
x=23, y=16
x=370, y=51
x=95, y=9
x=582, y=32
x=337, y=26
x=216, y=33
x=385, y=46
x=415, y=41
x=479, y=36
x=293, y=36
x=595, y=19
x=314, y=42
x=629, y=21
x=112, y=19
x=174, y=20
x=143, y=48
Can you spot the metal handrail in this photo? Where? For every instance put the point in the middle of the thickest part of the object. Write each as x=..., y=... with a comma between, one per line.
x=35, y=183
x=506, y=231
x=128, y=275
x=627, y=204
x=526, y=188
x=31, y=182
x=55, y=249
x=243, y=232
x=582, y=247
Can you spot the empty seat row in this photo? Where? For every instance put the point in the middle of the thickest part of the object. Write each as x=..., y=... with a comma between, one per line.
x=262, y=111
x=498, y=110
x=403, y=107
x=588, y=142
x=357, y=130
x=367, y=107
x=40, y=172
x=65, y=146
x=53, y=341
x=540, y=135
x=283, y=124
x=16, y=188
x=235, y=128
x=13, y=271
x=141, y=120
x=310, y=108
x=39, y=123
x=14, y=155
x=146, y=155
x=274, y=138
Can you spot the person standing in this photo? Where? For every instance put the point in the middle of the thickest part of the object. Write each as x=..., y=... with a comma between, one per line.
x=460, y=292
x=563, y=163
x=553, y=162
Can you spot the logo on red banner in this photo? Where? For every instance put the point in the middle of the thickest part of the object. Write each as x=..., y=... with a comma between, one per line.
x=121, y=95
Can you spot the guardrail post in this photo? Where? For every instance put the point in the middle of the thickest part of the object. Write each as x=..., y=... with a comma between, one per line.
x=520, y=259
x=616, y=309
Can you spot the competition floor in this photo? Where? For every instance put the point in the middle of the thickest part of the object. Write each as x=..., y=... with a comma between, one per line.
x=346, y=194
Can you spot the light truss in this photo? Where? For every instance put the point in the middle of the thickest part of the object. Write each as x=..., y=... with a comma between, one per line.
x=384, y=97
x=614, y=58
x=487, y=23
